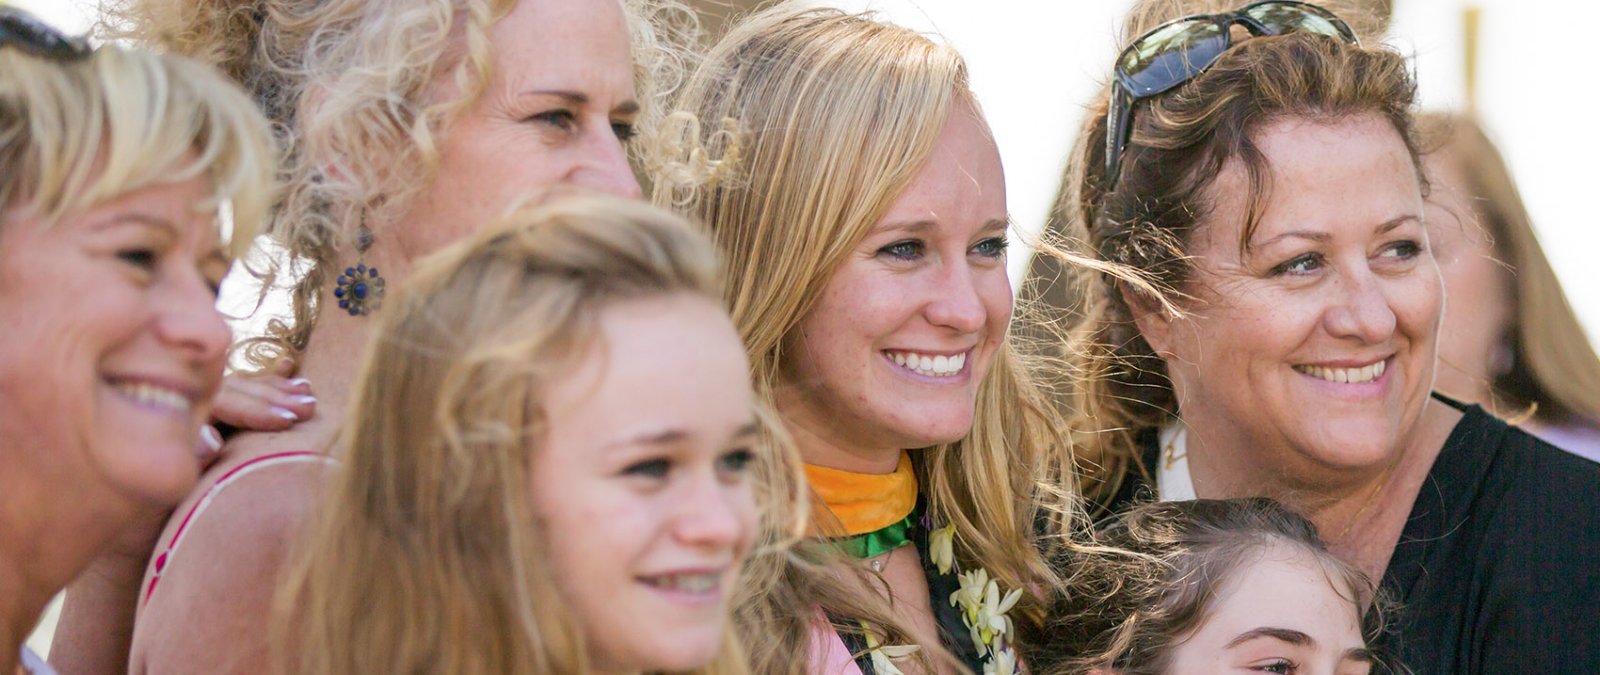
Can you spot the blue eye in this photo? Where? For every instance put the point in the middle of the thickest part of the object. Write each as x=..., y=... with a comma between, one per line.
x=909, y=249
x=1284, y=666
x=993, y=247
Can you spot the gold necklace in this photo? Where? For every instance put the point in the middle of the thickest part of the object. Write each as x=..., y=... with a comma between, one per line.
x=1171, y=456
x=1367, y=504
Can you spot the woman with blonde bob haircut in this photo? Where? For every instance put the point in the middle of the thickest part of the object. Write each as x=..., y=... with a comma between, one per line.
x=128, y=182
x=860, y=203
x=485, y=518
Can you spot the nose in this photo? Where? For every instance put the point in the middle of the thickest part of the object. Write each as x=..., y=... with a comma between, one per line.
x=603, y=165
x=714, y=515
x=957, y=302
x=190, y=323
x=1362, y=311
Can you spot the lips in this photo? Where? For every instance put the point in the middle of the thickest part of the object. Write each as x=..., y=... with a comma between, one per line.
x=1356, y=375
x=930, y=365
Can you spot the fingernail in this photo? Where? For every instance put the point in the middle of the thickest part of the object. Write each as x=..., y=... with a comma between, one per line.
x=210, y=438
x=285, y=413
x=303, y=400
x=300, y=383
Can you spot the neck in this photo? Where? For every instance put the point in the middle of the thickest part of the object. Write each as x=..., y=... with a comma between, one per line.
x=824, y=445
x=1361, y=514
x=333, y=356
x=47, y=536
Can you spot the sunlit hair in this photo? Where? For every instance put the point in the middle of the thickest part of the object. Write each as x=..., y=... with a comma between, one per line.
x=1179, y=144
x=828, y=117
x=1158, y=575
x=425, y=555
x=1554, y=373
x=349, y=85
x=76, y=134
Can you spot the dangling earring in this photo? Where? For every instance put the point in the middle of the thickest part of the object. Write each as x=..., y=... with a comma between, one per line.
x=360, y=289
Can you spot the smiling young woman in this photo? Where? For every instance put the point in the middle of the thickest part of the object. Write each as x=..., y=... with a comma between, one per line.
x=860, y=202
x=549, y=465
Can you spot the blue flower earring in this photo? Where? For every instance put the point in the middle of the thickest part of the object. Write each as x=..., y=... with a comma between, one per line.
x=360, y=289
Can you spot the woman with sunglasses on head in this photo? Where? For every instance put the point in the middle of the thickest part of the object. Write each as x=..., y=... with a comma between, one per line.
x=548, y=463
x=1260, y=166
x=406, y=124
x=860, y=202
x=113, y=167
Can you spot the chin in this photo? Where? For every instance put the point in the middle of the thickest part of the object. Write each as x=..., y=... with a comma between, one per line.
x=683, y=651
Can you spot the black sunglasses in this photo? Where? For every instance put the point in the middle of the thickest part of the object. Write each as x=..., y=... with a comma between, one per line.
x=21, y=30
x=1178, y=50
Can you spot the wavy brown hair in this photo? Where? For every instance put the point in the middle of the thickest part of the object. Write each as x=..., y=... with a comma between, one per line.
x=1157, y=575
x=425, y=555
x=1179, y=144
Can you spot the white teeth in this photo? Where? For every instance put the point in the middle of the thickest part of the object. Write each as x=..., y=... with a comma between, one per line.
x=938, y=365
x=688, y=583
x=149, y=394
x=1346, y=375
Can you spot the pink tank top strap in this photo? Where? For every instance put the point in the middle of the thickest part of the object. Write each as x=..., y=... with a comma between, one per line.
x=829, y=655
x=233, y=475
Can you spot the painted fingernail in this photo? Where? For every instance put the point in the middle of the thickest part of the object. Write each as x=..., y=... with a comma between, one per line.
x=299, y=384
x=285, y=413
x=210, y=438
x=303, y=400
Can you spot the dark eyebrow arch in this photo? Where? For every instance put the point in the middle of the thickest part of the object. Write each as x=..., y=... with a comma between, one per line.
x=1360, y=655
x=1293, y=637
x=579, y=99
x=749, y=429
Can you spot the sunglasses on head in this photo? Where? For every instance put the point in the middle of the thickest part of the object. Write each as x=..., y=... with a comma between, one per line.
x=21, y=30
x=1179, y=50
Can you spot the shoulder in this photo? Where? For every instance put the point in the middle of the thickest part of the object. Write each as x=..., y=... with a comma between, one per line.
x=208, y=596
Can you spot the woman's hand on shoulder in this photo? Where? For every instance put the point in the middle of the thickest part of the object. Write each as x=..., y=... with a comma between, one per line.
x=268, y=401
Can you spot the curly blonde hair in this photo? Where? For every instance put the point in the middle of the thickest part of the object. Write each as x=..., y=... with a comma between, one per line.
x=346, y=84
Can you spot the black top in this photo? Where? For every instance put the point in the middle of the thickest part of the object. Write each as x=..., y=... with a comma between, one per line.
x=1498, y=568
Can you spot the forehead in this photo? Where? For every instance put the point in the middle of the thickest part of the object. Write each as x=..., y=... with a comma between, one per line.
x=570, y=45
x=1325, y=175
x=962, y=179
x=1286, y=587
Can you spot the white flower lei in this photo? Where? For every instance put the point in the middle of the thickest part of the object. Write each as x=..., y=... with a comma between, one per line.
x=983, y=610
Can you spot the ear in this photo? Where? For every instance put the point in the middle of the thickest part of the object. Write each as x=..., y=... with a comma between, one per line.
x=1154, y=323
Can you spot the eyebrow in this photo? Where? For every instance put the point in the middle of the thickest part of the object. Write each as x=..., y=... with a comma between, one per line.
x=1323, y=237
x=579, y=99
x=1360, y=655
x=920, y=226
x=1293, y=637
x=671, y=436
x=168, y=226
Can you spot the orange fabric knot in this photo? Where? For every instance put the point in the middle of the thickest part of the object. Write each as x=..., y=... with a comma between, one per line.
x=861, y=502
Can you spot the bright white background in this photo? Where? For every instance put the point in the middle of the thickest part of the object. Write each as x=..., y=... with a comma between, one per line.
x=1035, y=62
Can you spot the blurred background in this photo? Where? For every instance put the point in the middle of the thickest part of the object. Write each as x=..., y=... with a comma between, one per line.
x=1034, y=63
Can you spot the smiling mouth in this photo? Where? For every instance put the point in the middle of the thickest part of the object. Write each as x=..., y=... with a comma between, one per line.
x=155, y=396
x=1361, y=375
x=697, y=584
x=929, y=365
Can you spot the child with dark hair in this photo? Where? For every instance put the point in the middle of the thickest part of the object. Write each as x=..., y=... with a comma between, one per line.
x=1237, y=585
